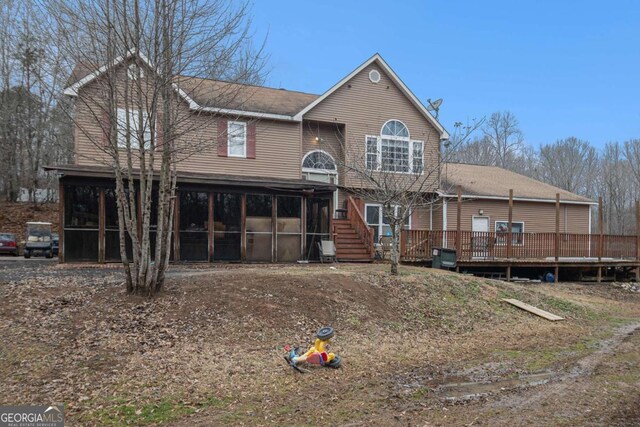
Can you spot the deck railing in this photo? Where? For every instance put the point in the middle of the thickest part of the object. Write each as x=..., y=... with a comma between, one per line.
x=360, y=225
x=418, y=245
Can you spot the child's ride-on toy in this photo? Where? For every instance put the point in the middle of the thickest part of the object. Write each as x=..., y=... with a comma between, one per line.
x=316, y=355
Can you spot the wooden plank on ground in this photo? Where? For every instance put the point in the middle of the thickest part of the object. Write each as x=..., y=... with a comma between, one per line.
x=532, y=309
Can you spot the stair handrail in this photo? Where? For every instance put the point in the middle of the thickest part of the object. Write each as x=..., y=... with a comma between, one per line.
x=360, y=225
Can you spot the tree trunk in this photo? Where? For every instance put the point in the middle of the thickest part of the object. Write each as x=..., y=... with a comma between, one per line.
x=394, y=248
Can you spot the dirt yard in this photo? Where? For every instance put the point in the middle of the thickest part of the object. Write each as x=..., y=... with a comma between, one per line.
x=426, y=348
x=14, y=216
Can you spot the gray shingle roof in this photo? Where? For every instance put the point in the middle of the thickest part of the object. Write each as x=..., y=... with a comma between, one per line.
x=479, y=180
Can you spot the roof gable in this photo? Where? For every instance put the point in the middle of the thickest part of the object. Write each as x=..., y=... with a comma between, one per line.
x=394, y=78
x=248, y=100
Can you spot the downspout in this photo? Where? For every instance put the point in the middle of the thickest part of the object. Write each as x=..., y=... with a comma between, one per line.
x=444, y=223
x=589, y=253
x=431, y=215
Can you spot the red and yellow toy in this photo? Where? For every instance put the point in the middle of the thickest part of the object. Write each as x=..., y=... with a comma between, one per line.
x=317, y=354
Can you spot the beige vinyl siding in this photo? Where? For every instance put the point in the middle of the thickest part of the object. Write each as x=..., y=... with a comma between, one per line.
x=329, y=138
x=342, y=198
x=278, y=150
x=437, y=212
x=364, y=107
x=420, y=218
x=538, y=217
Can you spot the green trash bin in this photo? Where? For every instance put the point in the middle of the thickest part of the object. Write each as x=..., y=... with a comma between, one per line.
x=444, y=258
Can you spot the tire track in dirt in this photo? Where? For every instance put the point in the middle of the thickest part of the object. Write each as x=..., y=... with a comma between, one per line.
x=561, y=383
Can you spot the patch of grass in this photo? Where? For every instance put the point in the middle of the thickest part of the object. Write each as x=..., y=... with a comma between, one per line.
x=561, y=304
x=541, y=359
x=474, y=287
x=570, y=308
x=353, y=320
x=421, y=393
x=163, y=411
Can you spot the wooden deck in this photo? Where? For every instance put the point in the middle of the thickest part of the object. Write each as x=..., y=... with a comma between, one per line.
x=472, y=246
x=512, y=250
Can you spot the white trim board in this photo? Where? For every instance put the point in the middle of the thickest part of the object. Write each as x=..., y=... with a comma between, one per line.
x=394, y=77
x=521, y=199
x=74, y=88
x=193, y=105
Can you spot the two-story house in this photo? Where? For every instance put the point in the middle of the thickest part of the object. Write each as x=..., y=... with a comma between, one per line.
x=268, y=178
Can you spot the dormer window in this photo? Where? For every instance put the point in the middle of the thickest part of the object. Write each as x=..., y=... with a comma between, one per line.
x=394, y=151
x=131, y=125
x=134, y=71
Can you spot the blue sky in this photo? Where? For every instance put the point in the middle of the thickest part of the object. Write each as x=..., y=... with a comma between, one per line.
x=564, y=68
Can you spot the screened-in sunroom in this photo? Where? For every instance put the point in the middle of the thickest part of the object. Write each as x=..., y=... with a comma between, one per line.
x=217, y=218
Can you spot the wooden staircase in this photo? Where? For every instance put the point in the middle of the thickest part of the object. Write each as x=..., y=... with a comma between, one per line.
x=353, y=237
x=349, y=245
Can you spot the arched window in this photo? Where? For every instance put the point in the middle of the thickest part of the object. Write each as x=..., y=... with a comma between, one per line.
x=393, y=150
x=319, y=160
x=395, y=129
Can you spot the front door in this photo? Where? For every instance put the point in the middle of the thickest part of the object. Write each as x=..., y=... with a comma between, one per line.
x=480, y=239
x=480, y=224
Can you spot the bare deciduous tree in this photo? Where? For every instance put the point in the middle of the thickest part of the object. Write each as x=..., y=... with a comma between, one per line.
x=397, y=184
x=503, y=134
x=31, y=131
x=147, y=128
x=570, y=164
x=501, y=144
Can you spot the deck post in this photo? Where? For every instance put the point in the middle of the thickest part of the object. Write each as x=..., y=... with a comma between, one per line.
x=101, y=227
x=510, y=225
x=599, y=279
x=557, y=242
x=210, y=227
x=274, y=227
x=458, y=221
x=637, y=230
x=600, y=228
x=243, y=227
x=61, y=216
x=509, y=273
x=638, y=240
x=556, y=273
x=176, y=227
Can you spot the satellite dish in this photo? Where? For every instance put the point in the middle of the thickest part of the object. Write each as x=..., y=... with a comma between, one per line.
x=434, y=106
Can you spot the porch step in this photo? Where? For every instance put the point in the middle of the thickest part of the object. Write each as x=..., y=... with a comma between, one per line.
x=349, y=246
x=348, y=238
x=353, y=250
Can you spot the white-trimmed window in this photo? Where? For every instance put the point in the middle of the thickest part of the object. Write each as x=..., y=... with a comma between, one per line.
x=417, y=157
x=237, y=139
x=318, y=165
x=319, y=160
x=372, y=152
x=136, y=117
x=502, y=232
x=133, y=71
x=376, y=219
x=393, y=150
